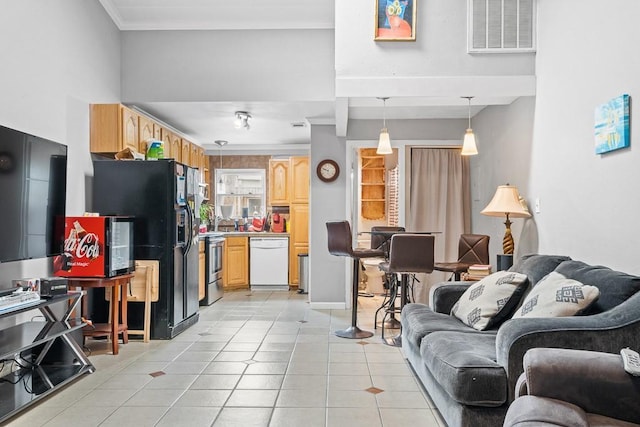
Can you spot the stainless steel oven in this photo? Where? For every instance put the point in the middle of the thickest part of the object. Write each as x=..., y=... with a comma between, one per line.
x=213, y=268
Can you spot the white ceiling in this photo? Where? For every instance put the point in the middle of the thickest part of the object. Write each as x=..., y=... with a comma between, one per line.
x=271, y=122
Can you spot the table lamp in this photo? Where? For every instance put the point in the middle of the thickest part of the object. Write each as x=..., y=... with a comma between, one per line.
x=507, y=202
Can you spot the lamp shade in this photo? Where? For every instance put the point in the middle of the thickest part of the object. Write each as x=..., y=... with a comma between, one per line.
x=384, y=143
x=506, y=201
x=469, y=144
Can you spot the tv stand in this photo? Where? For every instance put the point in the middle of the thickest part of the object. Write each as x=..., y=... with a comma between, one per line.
x=29, y=343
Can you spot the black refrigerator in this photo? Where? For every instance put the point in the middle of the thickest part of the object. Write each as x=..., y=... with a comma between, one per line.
x=162, y=196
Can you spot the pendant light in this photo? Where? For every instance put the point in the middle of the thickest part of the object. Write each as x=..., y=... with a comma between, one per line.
x=469, y=143
x=220, y=143
x=384, y=143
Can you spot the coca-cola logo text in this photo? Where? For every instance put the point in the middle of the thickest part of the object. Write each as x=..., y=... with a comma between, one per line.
x=86, y=247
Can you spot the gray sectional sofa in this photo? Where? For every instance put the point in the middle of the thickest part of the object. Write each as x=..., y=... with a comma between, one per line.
x=471, y=375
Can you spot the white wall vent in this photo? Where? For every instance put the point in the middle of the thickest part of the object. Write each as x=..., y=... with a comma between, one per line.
x=501, y=26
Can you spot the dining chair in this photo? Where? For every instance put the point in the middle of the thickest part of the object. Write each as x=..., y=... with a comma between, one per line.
x=380, y=239
x=340, y=240
x=472, y=249
x=408, y=254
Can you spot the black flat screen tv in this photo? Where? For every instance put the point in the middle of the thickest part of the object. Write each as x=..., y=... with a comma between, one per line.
x=33, y=184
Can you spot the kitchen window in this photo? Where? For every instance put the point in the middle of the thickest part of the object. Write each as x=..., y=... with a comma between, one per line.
x=240, y=193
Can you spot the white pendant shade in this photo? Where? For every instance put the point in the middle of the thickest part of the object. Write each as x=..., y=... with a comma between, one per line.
x=384, y=143
x=469, y=144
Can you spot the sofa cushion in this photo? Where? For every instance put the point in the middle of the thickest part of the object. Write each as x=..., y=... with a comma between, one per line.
x=615, y=287
x=557, y=296
x=464, y=364
x=419, y=320
x=537, y=266
x=486, y=302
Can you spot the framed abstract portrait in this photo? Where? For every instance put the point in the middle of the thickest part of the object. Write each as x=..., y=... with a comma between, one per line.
x=395, y=20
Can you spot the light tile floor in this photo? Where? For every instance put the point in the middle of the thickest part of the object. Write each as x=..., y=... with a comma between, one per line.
x=254, y=359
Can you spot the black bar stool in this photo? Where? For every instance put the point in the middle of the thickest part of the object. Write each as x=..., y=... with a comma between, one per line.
x=409, y=254
x=380, y=239
x=472, y=249
x=340, y=244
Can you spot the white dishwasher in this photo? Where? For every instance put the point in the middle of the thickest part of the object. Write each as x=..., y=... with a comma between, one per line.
x=269, y=263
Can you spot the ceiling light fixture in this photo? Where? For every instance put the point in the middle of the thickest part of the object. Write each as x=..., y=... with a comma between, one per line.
x=384, y=142
x=242, y=120
x=469, y=143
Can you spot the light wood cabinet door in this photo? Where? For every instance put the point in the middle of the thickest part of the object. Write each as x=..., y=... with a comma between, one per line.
x=176, y=147
x=186, y=151
x=299, y=179
x=298, y=238
x=235, y=269
x=202, y=160
x=129, y=129
x=157, y=132
x=167, y=138
x=145, y=133
x=201, y=270
x=194, y=159
x=279, y=182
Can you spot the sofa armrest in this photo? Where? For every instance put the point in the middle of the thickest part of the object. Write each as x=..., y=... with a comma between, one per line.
x=607, y=332
x=443, y=296
x=594, y=381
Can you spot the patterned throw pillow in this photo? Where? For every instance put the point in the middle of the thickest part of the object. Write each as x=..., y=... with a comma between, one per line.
x=557, y=296
x=488, y=302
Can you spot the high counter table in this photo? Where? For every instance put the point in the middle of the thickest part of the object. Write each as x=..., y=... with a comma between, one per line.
x=118, y=312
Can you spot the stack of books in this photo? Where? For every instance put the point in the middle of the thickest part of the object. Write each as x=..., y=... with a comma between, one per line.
x=477, y=272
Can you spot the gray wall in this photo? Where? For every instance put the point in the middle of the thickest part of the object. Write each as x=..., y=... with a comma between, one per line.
x=228, y=65
x=57, y=58
x=327, y=202
x=439, y=49
x=588, y=202
x=504, y=136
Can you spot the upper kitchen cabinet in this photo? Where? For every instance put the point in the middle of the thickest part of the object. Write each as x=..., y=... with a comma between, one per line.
x=113, y=128
x=299, y=179
x=186, y=152
x=145, y=132
x=167, y=137
x=194, y=157
x=279, y=182
x=176, y=147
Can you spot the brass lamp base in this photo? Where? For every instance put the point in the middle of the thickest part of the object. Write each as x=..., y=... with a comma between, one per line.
x=507, y=240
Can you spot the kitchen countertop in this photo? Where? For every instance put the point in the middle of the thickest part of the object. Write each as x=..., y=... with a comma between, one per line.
x=245, y=233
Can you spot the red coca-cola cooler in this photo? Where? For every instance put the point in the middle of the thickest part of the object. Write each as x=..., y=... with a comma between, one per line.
x=96, y=246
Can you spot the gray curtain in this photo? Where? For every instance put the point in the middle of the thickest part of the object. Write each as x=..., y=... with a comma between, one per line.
x=440, y=201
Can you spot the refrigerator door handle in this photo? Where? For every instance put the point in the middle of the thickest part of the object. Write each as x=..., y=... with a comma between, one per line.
x=189, y=230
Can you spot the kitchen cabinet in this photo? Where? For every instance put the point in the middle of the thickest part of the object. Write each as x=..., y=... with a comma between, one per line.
x=166, y=136
x=176, y=147
x=279, y=182
x=201, y=269
x=113, y=128
x=145, y=133
x=186, y=151
x=373, y=185
x=194, y=156
x=299, y=179
x=299, y=237
x=235, y=269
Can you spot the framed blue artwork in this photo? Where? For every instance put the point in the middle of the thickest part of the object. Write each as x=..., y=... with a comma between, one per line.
x=612, y=125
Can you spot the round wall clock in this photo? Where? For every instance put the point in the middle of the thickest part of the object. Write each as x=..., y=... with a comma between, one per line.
x=328, y=170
